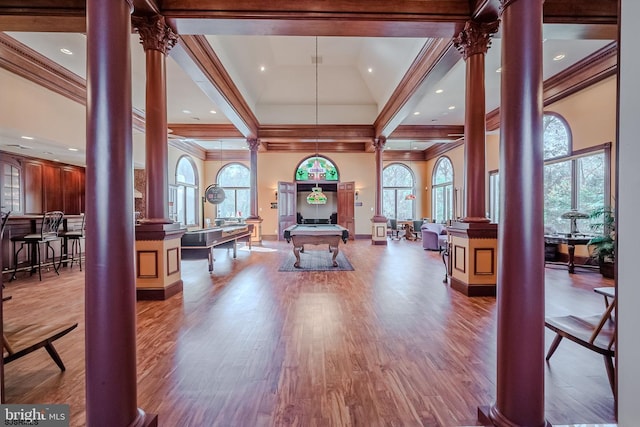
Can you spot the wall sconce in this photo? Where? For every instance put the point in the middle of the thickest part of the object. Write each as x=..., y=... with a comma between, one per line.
x=276, y=194
x=357, y=194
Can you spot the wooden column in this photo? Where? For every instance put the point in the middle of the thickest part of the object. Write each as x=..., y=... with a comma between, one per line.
x=254, y=218
x=379, y=221
x=473, y=42
x=157, y=39
x=110, y=301
x=520, y=348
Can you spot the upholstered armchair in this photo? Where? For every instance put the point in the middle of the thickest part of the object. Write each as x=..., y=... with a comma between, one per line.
x=434, y=236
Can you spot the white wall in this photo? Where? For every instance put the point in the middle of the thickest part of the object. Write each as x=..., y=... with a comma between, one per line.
x=628, y=208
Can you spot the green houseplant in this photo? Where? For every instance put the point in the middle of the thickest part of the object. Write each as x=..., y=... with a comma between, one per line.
x=603, y=246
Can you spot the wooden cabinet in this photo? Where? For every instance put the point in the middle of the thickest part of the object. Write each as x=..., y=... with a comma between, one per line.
x=48, y=186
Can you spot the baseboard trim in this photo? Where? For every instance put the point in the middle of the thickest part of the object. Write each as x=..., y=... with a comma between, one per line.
x=473, y=290
x=159, y=294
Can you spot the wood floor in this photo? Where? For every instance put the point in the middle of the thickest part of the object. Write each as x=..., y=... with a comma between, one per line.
x=385, y=345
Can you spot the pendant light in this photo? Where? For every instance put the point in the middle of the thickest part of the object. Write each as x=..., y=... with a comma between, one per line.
x=316, y=197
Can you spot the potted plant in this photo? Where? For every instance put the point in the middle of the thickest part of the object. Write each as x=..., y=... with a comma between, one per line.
x=603, y=246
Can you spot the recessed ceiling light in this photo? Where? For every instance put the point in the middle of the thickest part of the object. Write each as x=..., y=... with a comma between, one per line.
x=370, y=70
x=186, y=111
x=499, y=70
x=262, y=68
x=47, y=152
x=416, y=113
x=56, y=160
x=26, y=137
x=452, y=107
x=416, y=148
x=559, y=57
x=66, y=51
x=213, y=111
x=72, y=149
x=439, y=90
x=544, y=40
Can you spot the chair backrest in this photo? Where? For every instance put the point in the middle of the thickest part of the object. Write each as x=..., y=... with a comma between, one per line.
x=3, y=222
x=393, y=224
x=51, y=222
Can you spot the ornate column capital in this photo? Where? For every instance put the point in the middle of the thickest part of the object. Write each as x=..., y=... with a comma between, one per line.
x=155, y=34
x=475, y=38
x=379, y=143
x=253, y=144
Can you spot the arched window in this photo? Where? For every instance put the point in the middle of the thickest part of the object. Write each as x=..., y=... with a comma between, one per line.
x=235, y=180
x=570, y=181
x=186, y=192
x=317, y=168
x=442, y=190
x=397, y=184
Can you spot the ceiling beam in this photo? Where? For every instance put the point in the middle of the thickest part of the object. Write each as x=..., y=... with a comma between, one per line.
x=205, y=131
x=196, y=57
x=43, y=15
x=310, y=133
x=422, y=133
x=373, y=18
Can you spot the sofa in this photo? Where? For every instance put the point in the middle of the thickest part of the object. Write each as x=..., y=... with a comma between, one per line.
x=434, y=236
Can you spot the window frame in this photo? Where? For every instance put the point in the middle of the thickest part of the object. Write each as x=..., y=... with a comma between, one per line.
x=181, y=188
x=449, y=210
x=396, y=189
x=233, y=189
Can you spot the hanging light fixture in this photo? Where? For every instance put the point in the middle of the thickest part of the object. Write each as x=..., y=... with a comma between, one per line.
x=410, y=196
x=316, y=197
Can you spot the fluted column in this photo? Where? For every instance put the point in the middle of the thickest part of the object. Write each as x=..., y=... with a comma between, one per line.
x=473, y=42
x=254, y=145
x=157, y=38
x=520, y=347
x=110, y=299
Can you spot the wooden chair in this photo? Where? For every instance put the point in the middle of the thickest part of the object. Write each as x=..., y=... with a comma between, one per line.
x=48, y=233
x=18, y=341
x=595, y=333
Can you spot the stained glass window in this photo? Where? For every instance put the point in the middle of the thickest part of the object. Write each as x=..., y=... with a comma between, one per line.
x=316, y=169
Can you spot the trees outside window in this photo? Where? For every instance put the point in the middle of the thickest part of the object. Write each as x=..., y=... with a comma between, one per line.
x=442, y=190
x=397, y=183
x=186, y=192
x=235, y=180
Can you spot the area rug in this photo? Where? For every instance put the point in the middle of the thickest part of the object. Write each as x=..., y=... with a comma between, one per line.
x=311, y=260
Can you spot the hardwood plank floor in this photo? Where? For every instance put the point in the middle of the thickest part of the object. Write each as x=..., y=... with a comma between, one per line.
x=386, y=344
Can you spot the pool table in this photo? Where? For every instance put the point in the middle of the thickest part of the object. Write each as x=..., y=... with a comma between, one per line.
x=315, y=234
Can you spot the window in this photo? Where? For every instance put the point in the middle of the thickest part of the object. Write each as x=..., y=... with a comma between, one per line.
x=442, y=191
x=397, y=183
x=571, y=180
x=11, y=188
x=235, y=180
x=494, y=196
x=316, y=168
x=186, y=200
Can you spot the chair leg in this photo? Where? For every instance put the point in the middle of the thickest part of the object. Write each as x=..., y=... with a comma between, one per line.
x=611, y=373
x=55, y=356
x=53, y=258
x=15, y=260
x=554, y=346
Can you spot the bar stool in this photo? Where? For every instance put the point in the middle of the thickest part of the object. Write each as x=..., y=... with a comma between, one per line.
x=76, y=247
x=49, y=226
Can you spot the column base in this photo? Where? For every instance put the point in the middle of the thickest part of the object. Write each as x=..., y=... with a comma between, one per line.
x=379, y=230
x=159, y=294
x=485, y=419
x=145, y=420
x=471, y=290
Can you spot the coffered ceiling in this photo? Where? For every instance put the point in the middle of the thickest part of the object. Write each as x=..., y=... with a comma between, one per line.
x=354, y=77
